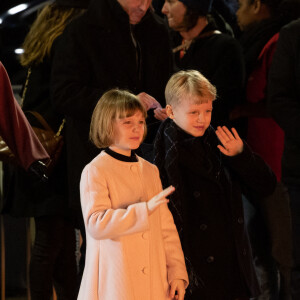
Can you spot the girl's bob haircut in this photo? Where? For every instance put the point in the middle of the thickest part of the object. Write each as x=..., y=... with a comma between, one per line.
x=114, y=104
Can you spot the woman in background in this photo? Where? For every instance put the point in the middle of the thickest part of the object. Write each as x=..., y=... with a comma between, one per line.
x=53, y=261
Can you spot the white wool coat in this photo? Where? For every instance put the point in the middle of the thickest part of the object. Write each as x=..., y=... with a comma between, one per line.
x=130, y=255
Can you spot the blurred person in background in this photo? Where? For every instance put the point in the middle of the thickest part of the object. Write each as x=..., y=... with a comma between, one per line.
x=199, y=44
x=17, y=132
x=23, y=143
x=269, y=221
x=284, y=106
x=53, y=261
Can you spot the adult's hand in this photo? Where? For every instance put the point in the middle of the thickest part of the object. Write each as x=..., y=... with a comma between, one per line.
x=148, y=101
x=160, y=114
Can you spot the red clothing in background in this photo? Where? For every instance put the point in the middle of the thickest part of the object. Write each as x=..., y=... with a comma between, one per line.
x=14, y=127
x=264, y=135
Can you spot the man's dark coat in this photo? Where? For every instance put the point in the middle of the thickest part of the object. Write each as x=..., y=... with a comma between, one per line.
x=95, y=53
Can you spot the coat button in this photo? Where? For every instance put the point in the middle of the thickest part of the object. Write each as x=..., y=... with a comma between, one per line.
x=203, y=227
x=145, y=270
x=240, y=220
x=210, y=259
x=145, y=235
x=196, y=194
x=132, y=168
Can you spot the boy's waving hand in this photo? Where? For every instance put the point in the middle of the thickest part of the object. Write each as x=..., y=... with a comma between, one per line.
x=231, y=141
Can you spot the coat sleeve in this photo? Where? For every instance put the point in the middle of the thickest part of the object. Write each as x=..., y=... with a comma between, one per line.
x=15, y=128
x=71, y=93
x=283, y=85
x=253, y=171
x=228, y=77
x=174, y=255
x=101, y=220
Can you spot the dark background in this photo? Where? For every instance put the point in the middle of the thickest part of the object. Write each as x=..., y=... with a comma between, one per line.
x=13, y=30
x=5, y=4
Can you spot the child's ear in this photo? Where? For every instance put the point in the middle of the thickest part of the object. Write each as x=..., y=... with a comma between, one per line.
x=169, y=111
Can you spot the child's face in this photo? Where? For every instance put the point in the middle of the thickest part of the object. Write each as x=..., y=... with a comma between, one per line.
x=128, y=133
x=191, y=117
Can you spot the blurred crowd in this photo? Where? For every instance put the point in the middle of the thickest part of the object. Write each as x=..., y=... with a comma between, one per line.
x=76, y=50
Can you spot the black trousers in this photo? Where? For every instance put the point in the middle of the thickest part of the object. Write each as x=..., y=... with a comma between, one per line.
x=270, y=230
x=294, y=192
x=53, y=261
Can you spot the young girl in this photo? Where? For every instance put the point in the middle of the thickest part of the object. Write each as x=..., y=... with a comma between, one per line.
x=133, y=249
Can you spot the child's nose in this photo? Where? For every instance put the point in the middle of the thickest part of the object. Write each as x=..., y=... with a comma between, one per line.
x=137, y=127
x=200, y=117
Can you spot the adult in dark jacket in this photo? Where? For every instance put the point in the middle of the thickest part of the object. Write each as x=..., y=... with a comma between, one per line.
x=270, y=223
x=114, y=44
x=199, y=45
x=53, y=261
x=284, y=106
x=207, y=202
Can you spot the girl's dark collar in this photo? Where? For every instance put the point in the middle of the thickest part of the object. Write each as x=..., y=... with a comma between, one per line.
x=121, y=157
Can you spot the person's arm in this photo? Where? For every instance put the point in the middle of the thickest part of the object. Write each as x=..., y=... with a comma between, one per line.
x=250, y=168
x=257, y=81
x=176, y=268
x=174, y=255
x=283, y=85
x=229, y=78
x=71, y=91
x=15, y=128
x=104, y=222
x=101, y=220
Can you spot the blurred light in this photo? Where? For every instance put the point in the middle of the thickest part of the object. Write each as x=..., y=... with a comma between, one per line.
x=18, y=8
x=1, y=21
x=19, y=51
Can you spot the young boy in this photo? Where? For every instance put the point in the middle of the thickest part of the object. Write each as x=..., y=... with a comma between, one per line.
x=209, y=170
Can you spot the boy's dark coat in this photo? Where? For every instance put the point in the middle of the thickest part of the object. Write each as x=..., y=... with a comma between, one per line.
x=214, y=236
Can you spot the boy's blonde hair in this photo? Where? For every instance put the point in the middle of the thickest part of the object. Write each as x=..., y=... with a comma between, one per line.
x=190, y=82
x=114, y=104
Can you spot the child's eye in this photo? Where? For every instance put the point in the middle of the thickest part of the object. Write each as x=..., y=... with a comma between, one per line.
x=142, y=122
x=192, y=112
x=126, y=122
